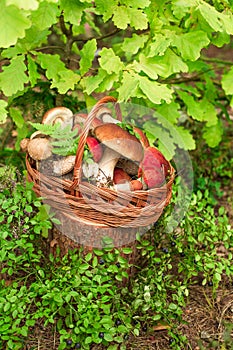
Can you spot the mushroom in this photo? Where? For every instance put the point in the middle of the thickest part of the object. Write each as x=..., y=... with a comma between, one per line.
x=61, y=115
x=105, y=115
x=95, y=148
x=63, y=166
x=136, y=185
x=118, y=143
x=121, y=180
x=90, y=169
x=153, y=158
x=79, y=120
x=24, y=144
x=154, y=167
x=128, y=166
x=153, y=177
x=39, y=148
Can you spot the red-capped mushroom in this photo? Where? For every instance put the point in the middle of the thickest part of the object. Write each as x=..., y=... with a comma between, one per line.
x=95, y=148
x=153, y=158
x=153, y=177
x=121, y=180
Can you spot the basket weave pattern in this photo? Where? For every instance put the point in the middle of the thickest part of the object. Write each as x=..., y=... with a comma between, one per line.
x=83, y=202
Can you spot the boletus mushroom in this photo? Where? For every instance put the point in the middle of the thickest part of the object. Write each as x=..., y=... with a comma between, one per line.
x=118, y=143
x=61, y=115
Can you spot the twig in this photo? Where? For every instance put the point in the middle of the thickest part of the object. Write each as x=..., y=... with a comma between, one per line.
x=78, y=39
x=217, y=60
x=67, y=32
x=51, y=47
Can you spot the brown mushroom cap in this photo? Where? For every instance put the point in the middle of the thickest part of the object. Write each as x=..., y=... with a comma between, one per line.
x=39, y=148
x=119, y=140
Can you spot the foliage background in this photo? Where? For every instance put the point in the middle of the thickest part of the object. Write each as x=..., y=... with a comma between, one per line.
x=153, y=54
x=147, y=52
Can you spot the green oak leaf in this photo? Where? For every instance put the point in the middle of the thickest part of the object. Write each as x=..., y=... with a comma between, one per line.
x=109, y=61
x=52, y=64
x=121, y=17
x=137, y=3
x=227, y=80
x=32, y=40
x=220, y=39
x=62, y=78
x=227, y=20
x=145, y=65
x=72, y=10
x=106, y=9
x=87, y=55
x=183, y=138
x=17, y=117
x=13, y=77
x=209, y=112
x=181, y=7
x=134, y=44
x=12, y=25
x=187, y=48
x=138, y=18
x=159, y=45
x=91, y=83
x=154, y=91
x=128, y=86
x=193, y=107
x=32, y=71
x=107, y=83
x=165, y=65
x=211, y=15
x=213, y=134
x=46, y=15
x=156, y=132
x=67, y=79
x=170, y=111
x=3, y=111
x=24, y=4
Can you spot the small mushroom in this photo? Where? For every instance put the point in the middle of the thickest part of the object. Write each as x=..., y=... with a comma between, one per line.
x=121, y=180
x=136, y=185
x=105, y=115
x=39, y=148
x=61, y=115
x=63, y=166
x=24, y=144
x=118, y=143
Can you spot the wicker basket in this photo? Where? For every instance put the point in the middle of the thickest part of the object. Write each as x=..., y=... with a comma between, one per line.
x=87, y=212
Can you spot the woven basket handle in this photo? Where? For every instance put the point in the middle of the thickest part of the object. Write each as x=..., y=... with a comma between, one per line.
x=84, y=134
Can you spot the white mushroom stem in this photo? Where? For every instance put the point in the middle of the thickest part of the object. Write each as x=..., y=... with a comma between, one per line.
x=107, y=165
x=107, y=118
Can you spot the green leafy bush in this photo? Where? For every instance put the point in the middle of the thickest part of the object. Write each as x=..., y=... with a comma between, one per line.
x=149, y=52
x=82, y=295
